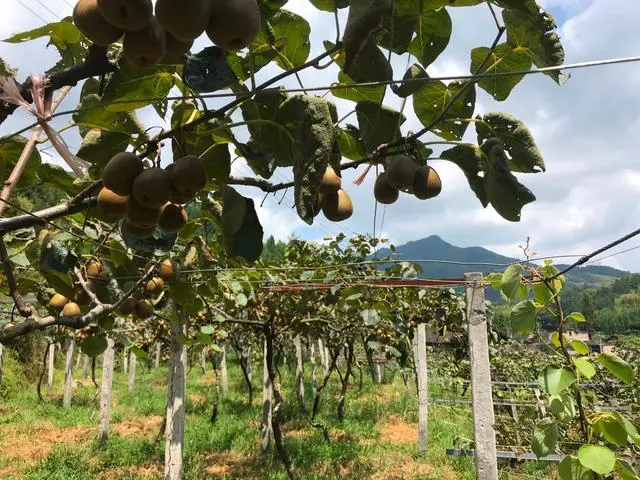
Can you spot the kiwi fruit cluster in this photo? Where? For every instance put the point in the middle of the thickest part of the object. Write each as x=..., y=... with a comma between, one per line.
x=334, y=202
x=86, y=332
x=94, y=274
x=230, y=24
x=141, y=305
x=401, y=174
x=150, y=197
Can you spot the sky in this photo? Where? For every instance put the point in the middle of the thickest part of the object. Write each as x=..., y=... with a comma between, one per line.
x=585, y=130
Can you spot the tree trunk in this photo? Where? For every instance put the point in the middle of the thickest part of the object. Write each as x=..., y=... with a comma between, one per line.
x=125, y=360
x=277, y=406
x=51, y=365
x=216, y=393
x=86, y=363
x=299, y=373
x=316, y=398
x=158, y=351
x=1, y=362
x=345, y=382
x=108, y=360
x=132, y=370
x=312, y=358
x=373, y=368
x=68, y=374
x=244, y=361
x=224, y=375
x=267, y=411
x=177, y=385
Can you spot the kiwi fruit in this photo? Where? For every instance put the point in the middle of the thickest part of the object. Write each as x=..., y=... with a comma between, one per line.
x=154, y=286
x=337, y=206
x=152, y=188
x=181, y=198
x=188, y=175
x=141, y=216
x=143, y=309
x=234, y=24
x=384, y=192
x=120, y=172
x=331, y=182
x=400, y=170
x=128, y=307
x=167, y=270
x=95, y=269
x=58, y=301
x=128, y=15
x=172, y=218
x=426, y=183
x=111, y=203
x=145, y=47
x=71, y=310
x=91, y=23
x=137, y=232
x=175, y=46
x=184, y=22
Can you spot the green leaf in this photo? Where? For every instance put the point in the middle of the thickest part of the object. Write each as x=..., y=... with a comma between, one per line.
x=523, y=317
x=470, y=160
x=378, y=124
x=503, y=59
x=571, y=469
x=241, y=230
x=181, y=292
x=578, y=317
x=545, y=437
x=555, y=380
x=94, y=345
x=580, y=347
x=597, y=458
x=139, y=353
x=293, y=30
x=365, y=16
x=542, y=294
x=329, y=5
x=411, y=83
x=626, y=470
x=188, y=232
x=207, y=329
x=98, y=146
x=430, y=102
x=617, y=366
x=433, y=31
x=562, y=407
x=350, y=142
x=584, y=366
x=60, y=282
x=10, y=150
x=370, y=317
x=630, y=428
x=208, y=70
x=611, y=428
x=92, y=113
x=516, y=138
x=511, y=280
x=130, y=84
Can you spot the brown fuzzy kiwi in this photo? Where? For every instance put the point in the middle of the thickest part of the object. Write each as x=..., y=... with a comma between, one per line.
x=172, y=218
x=128, y=307
x=138, y=232
x=188, y=175
x=71, y=310
x=383, y=191
x=185, y=23
x=400, y=170
x=167, y=270
x=141, y=216
x=143, y=309
x=331, y=182
x=152, y=188
x=175, y=46
x=95, y=269
x=88, y=19
x=427, y=183
x=111, y=203
x=337, y=206
x=120, y=172
x=145, y=47
x=234, y=24
x=154, y=286
x=58, y=301
x=129, y=15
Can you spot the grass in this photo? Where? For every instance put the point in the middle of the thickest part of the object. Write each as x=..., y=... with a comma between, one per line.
x=377, y=440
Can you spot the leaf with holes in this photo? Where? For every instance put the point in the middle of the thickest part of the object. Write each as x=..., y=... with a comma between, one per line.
x=378, y=124
x=503, y=59
x=433, y=31
x=435, y=102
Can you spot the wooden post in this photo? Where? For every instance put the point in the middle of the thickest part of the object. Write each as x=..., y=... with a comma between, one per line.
x=158, y=350
x=420, y=336
x=1, y=362
x=78, y=358
x=481, y=397
x=224, y=375
x=68, y=374
x=125, y=360
x=50, y=365
x=312, y=358
x=322, y=355
x=105, y=391
x=203, y=361
x=132, y=370
x=299, y=372
x=86, y=363
x=177, y=386
x=267, y=402
x=250, y=363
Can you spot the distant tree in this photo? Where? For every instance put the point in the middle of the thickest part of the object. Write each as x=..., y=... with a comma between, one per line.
x=273, y=251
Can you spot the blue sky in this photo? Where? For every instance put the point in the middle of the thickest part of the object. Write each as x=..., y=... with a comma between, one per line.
x=586, y=131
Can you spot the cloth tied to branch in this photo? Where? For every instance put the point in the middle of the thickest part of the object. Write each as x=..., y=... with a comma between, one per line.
x=41, y=109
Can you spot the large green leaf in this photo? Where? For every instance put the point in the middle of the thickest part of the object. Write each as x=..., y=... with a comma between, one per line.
x=545, y=437
x=329, y=5
x=287, y=42
x=98, y=146
x=503, y=59
x=512, y=280
x=584, y=367
x=134, y=87
x=378, y=124
x=523, y=317
x=555, y=380
x=562, y=407
x=617, y=366
x=433, y=31
x=94, y=345
x=365, y=16
x=626, y=470
x=611, y=428
x=10, y=150
x=241, y=230
x=470, y=159
x=410, y=84
x=597, y=458
x=571, y=469
x=435, y=98
x=93, y=114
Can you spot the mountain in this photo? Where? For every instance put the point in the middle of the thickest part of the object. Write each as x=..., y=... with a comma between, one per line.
x=455, y=261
